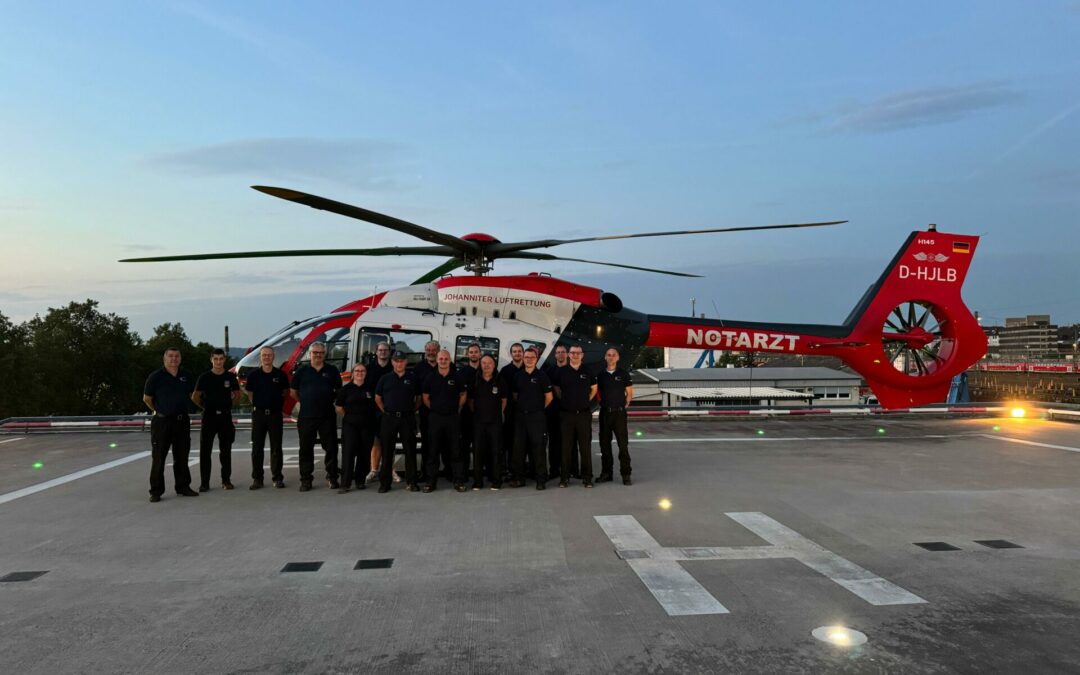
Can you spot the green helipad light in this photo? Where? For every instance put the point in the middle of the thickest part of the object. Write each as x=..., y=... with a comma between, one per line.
x=38, y=465
x=112, y=445
x=638, y=434
x=997, y=428
x=881, y=430
x=760, y=432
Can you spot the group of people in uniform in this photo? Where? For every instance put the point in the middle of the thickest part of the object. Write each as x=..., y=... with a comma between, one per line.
x=513, y=425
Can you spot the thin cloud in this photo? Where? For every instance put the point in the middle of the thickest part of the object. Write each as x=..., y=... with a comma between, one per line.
x=367, y=163
x=918, y=107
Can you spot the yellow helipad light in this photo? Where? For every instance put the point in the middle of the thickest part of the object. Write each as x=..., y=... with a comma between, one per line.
x=665, y=503
x=839, y=636
x=1018, y=412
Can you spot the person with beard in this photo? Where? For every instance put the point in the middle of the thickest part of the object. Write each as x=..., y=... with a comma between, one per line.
x=378, y=366
x=508, y=373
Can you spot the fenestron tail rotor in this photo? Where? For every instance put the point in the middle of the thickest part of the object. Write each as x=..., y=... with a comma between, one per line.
x=475, y=252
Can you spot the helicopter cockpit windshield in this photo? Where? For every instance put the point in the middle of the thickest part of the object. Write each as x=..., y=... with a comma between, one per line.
x=284, y=343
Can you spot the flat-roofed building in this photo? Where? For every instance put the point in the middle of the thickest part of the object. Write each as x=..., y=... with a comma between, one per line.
x=711, y=387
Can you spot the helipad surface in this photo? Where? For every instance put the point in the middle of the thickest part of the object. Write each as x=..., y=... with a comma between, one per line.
x=768, y=536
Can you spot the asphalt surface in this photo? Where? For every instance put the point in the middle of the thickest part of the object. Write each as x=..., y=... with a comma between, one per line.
x=528, y=581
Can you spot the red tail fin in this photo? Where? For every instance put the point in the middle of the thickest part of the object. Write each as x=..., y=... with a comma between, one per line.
x=908, y=336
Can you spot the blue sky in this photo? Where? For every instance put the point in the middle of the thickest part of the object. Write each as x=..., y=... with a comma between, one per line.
x=136, y=128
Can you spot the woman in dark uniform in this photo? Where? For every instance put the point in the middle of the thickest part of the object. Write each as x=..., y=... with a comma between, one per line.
x=356, y=403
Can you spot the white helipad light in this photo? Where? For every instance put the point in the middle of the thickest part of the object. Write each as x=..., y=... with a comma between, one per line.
x=840, y=636
x=1018, y=412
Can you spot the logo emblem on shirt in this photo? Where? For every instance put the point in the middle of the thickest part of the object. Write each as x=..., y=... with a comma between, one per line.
x=449, y=381
x=494, y=390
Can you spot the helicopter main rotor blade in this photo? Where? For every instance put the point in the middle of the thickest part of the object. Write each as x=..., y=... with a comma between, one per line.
x=393, y=250
x=497, y=250
x=525, y=255
x=445, y=268
x=348, y=210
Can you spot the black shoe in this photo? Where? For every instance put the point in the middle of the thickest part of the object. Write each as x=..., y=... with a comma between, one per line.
x=411, y=487
x=460, y=487
x=626, y=480
x=279, y=483
x=516, y=483
x=496, y=486
x=477, y=485
x=563, y=484
x=154, y=499
x=256, y=485
x=188, y=492
x=332, y=483
x=226, y=485
x=383, y=489
x=587, y=482
x=361, y=486
x=202, y=488
x=604, y=478
x=430, y=487
x=541, y=485
x=342, y=490
x=305, y=486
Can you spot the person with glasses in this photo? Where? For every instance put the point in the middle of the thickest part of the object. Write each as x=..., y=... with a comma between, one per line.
x=315, y=386
x=575, y=388
x=355, y=402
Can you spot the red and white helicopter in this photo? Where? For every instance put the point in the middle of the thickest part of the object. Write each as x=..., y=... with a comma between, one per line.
x=908, y=335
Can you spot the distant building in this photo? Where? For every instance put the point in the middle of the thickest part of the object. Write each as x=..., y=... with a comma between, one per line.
x=712, y=387
x=1028, y=337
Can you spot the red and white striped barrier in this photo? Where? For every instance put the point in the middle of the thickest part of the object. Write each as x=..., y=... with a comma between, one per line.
x=141, y=423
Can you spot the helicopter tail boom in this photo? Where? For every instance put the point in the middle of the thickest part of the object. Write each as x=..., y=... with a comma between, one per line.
x=909, y=335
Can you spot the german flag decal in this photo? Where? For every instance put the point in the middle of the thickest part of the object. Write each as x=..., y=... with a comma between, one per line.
x=961, y=247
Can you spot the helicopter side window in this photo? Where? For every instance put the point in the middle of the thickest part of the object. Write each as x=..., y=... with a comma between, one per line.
x=488, y=345
x=337, y=349
x=411, y=342
x=284, y=343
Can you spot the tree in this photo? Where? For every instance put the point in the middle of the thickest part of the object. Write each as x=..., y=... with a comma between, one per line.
x=649, y=357
x=194, y=357
x=13, y=350
x=85, y=362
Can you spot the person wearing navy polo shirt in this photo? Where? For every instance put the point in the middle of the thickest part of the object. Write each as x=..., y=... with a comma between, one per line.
x=315, y=386
x=444, y=395
x=575, y=387
x=468, y=372
x=398, y=396
x=532, y=390
x=167, y=393
x=421, y=370
x=487, y=400
x=267, y=388
x=616, y=391
x=216, y=391
x=356, y=404
x=508, y=374
x=378, y=366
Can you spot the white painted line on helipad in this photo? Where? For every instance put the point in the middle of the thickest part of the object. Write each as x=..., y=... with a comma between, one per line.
x=1036, y=444
x=12, y=440
x=33, y=489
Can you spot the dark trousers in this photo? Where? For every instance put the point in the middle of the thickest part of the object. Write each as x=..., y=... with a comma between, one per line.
x=425, y=441
x=263, y=423
x=466, y=439
x=357, y=437
x=509, y=433
x=444, y=433
x=325, y=428
x=220, y=425
x=393, y=427
x=530, y=438
x=576, y=430
x=487, y=451
x=554, y=430
x=614, y=422
x=172, y=432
